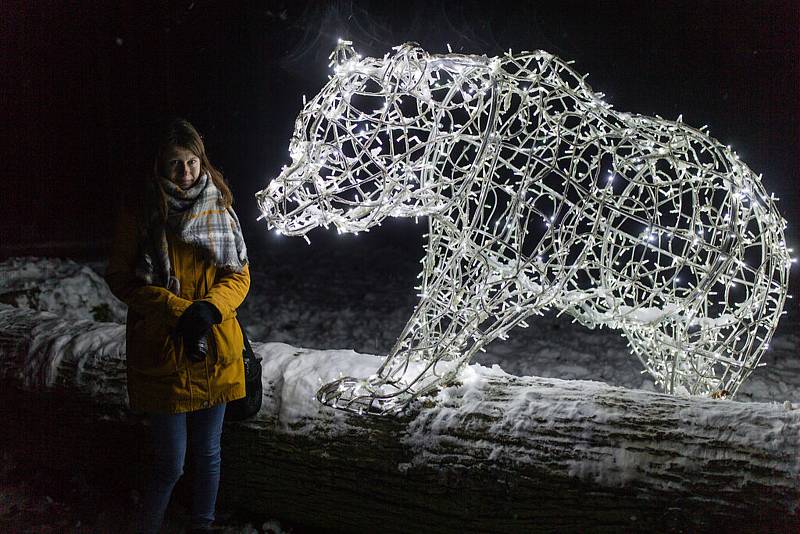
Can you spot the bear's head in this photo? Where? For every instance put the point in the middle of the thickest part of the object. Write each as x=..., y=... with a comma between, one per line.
x=385, y=137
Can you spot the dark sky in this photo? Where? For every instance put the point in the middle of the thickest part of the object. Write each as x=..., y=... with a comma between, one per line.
x=83, y=86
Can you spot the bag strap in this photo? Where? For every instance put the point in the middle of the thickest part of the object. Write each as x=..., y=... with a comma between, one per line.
x=248, y=349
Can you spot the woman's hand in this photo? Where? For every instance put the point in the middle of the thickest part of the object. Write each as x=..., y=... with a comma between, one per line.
x=195, y=323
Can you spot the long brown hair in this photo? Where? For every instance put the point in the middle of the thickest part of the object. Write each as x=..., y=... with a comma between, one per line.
x=180, y=133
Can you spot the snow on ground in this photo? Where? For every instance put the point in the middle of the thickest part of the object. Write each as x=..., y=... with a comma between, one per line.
x=355, y=295
x=64, y=287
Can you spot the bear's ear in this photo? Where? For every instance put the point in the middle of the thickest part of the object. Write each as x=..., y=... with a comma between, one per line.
x=343, y=53
x=410, y=51
x=409, y=64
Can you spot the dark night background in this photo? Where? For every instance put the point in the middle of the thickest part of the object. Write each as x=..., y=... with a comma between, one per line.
x=83, y=85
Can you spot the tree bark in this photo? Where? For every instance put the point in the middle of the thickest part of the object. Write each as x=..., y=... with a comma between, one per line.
x=499, y=453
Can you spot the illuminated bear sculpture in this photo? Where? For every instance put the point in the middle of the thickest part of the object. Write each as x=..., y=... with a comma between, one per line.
x=539, y=196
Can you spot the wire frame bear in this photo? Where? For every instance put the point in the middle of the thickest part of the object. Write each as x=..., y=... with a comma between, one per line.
x=539, y=196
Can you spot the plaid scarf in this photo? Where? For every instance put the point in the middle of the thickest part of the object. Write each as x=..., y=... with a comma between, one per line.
x=196, y=217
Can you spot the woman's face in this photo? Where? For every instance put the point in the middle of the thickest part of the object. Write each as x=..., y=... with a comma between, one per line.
x=182, y=166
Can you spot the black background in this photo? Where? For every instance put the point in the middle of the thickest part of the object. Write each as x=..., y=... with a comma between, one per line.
x=84, y=83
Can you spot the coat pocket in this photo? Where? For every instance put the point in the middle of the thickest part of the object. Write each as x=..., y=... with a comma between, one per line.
x=228, y=340
x=151, y=349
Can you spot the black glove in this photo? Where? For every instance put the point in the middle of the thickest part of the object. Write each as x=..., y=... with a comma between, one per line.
x=195, y=322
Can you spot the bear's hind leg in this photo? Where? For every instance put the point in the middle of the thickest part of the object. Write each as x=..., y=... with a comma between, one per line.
x=708, y=360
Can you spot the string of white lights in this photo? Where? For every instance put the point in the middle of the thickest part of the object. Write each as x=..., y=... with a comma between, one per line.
x=539, y=195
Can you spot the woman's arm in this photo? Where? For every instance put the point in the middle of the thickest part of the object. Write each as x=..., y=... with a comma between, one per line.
x=228, y=291
x=142, y=298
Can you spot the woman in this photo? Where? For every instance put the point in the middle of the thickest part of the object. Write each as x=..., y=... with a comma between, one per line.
x=180, y=264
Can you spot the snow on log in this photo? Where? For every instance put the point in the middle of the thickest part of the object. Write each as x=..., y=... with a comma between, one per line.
x=495, y=452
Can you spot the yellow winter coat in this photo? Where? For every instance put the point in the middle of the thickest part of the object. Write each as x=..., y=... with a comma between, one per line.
x=160, y=378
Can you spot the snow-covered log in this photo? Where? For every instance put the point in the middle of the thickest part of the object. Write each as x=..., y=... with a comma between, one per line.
x=494, y=453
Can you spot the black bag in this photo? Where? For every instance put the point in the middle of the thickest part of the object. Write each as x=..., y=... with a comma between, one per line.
x=248, y=406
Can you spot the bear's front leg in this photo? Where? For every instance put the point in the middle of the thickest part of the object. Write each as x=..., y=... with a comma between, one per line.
x=372, y=395
x=430, y=349
x=470, y=296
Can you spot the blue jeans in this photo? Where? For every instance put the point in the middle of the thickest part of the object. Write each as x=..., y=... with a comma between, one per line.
x=169, y=432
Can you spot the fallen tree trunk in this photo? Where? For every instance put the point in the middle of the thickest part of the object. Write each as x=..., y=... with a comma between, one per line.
x=495, y=453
